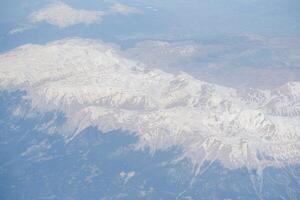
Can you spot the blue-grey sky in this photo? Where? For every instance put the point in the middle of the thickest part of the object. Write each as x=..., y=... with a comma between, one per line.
x=182, y=19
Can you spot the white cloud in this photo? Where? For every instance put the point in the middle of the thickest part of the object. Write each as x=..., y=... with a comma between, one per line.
x=123, y=9
x=20, y=29
x=62, y=15
x=17, y=30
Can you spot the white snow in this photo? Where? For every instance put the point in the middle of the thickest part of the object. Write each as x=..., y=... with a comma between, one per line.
x=93, y=84
x=127, y=176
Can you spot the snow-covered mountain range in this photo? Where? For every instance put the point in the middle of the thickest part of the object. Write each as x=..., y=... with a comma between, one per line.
x=95, y=85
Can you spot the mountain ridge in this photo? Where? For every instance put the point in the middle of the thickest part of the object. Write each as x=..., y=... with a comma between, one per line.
x=94, y=85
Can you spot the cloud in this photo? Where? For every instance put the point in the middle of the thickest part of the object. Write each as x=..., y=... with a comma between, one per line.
x=20, y=29
x=123, y=9
x=17, y=30
x=63, y=15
